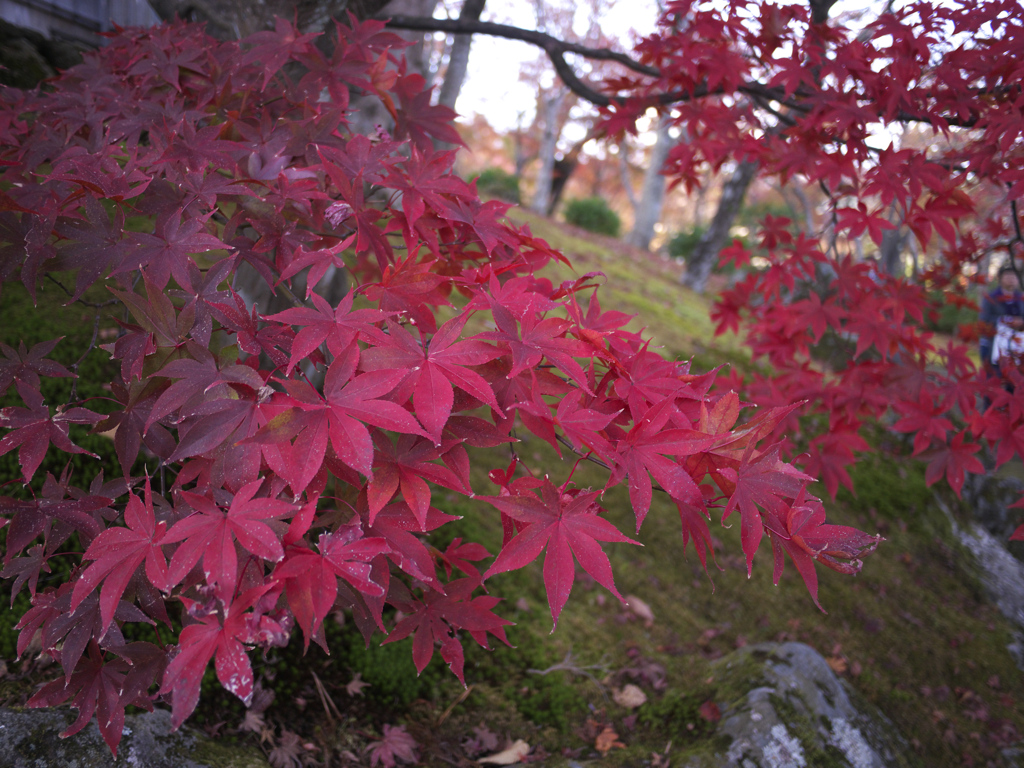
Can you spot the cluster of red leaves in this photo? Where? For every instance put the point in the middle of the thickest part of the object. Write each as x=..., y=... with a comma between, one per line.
x=304, y=445
x=801, y=99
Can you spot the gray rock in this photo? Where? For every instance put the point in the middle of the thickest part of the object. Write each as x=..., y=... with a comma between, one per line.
x=790, y=710
x=29, y=738
x=1001, y=574
x=987, y=498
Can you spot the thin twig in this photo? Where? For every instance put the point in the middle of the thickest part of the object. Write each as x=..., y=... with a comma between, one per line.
x=92, y=304
x=451, y=707
x=74, y=367
x=325, y=699
x=568, y=664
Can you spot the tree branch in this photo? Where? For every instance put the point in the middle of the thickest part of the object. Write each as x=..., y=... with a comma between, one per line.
x=556, y=50
x=549, y=44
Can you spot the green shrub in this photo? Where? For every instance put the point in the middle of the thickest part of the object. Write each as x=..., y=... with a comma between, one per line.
x=593, y=215
x=495, y=182
x=949, y=317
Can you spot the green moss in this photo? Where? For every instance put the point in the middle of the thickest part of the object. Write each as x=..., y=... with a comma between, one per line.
x=222, y=754
x=547, y=700
x=678, y=714
x=893, y=489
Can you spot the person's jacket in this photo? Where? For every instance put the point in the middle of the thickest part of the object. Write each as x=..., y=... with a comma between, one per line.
x=998, y=305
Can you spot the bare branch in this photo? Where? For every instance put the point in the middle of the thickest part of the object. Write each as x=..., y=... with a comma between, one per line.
x=556, y=50
x=549, y=44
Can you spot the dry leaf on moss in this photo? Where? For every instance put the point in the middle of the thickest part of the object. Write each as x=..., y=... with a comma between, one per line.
x=640, y=609
x=630, y=697
x=510, y=756
x=607, y=740
x=355, y=687
x=837, y=663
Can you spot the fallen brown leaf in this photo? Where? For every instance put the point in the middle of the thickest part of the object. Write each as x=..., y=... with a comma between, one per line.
x=838, y=664
x=510, y=756
x=630, y=697
x=640, y=609
x=607, y=740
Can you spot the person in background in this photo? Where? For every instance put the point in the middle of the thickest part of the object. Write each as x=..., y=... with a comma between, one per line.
x=1002, y=307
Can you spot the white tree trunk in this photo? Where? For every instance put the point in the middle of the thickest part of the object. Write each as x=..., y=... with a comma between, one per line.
x=551, y=106
x=458, y=57
x=647, y=211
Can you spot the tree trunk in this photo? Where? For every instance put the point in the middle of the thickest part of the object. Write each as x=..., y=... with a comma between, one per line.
x=705, y=254
x=563, y=169
x=805, y=206
x=647, y=211
x=889, y=252
x=551, y=106
x=232, y=19
x=458, y=57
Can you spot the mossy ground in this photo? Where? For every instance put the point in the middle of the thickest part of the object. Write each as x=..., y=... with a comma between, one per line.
x=912, y=634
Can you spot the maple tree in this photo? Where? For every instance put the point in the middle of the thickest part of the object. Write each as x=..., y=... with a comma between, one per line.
x=303, y=443
x=803, y=99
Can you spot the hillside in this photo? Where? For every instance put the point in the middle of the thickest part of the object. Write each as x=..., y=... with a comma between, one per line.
x=913, y=634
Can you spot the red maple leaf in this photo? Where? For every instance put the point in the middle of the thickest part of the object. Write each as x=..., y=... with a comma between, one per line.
x=34, y=428
x=568, y=524
x=923, y=418
x=27, y=366
x=644, y=452
x=433, y=366
x=338, y=326
x=952, y=459
x=765, y=482
x=210, y=533
x=800, y=531
x=395, y=744
x=433, y=619
x=212, y=637
x=393, y=524
x=408, y=466
x=96, y=687
x=311, y=579
x=119, y=552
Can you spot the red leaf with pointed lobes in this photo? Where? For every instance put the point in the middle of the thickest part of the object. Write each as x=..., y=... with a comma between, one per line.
x=953, y=460
x=645, y=449
x=408, y=466
x=433, y=619
x=567, y=522
x=201, y=642
x=210, y=532
x=311, y=579
x=800, y=530
x=395, y=745
x=96, y=687
x=353, y=400
x=118, y=552
x=459, y=555
x=34, y=428
x=394, y=524
x=830, y=454
x=433, y=366
x=763, y=482
x=338, y=327
x=27, y=365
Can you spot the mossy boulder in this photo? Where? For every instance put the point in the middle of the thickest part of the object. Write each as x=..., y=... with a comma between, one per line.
x=26, y=57
x=783, y=707
x=30, y=739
